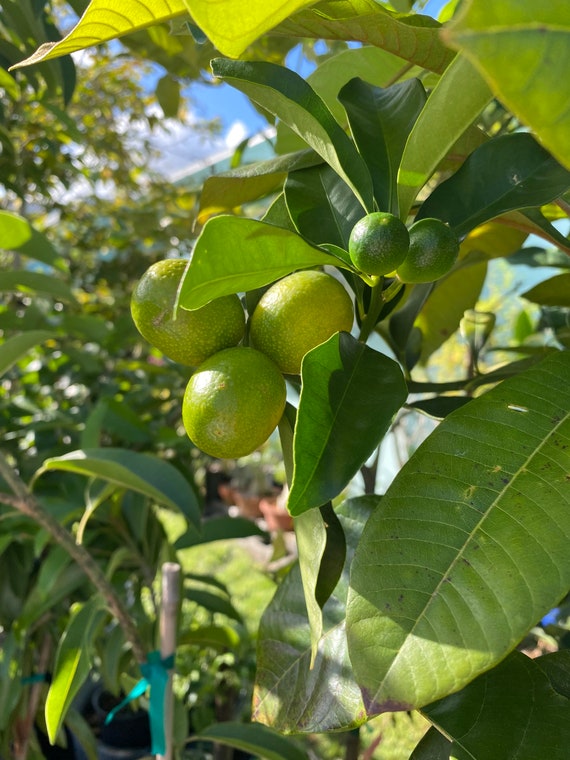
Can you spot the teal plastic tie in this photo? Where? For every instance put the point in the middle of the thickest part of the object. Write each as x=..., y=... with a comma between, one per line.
x=155, y=677
x=35, y=678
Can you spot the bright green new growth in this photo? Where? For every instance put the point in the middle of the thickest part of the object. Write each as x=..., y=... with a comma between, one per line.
x=434, y=249
x=192, y=336
x=298, y=313
x=233, y=402
x=378, y=243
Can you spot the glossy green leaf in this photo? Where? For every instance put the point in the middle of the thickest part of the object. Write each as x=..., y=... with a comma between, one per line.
x=15, y=230
x=104, y=21
x=232, y=28
x=435, y=746
x=470, y=548
x=429, y=143
x=529, y=256
x=36, y=282
x=72, y=663
x=226, y=190
x=290, y=695
x=321, y=205
x=221, y=637
x=380, y=121
x=523, y=51
x=349, y=396
x=259, y=254
x=552, y=292
x=291, y=99
x=513, y=712
x=507, y=173
x=146, y=474
x=213, y=603
x=17, y=346
x=414, y=37
x=254, y=738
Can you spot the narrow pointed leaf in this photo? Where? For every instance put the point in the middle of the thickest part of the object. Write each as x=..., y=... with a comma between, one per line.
x=36, y=282
x=254, y=738
x=552, y=292
x=508, y=173
x=72, y=663
x=143, y=473
x=428, y=143
x=259, y=254
x=291, y=99
x=522, y=51
x=350, y=394
x=104, y=20
x=290, y=695
x=17, y=346
x=511, y=712
x=381, y=120
x=470, y=549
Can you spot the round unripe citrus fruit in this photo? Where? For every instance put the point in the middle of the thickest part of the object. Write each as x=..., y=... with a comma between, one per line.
x=378, y=243
x=233, y=402
x=192, y=336
x=296, y=314
x=434, y=249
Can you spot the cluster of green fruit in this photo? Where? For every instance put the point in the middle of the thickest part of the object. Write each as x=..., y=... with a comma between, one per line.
x=380, y=244
x=236, y=394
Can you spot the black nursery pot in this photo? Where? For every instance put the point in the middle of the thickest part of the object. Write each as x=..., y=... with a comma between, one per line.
x=129, y=729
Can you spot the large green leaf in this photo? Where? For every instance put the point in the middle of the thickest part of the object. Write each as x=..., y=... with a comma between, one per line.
x=253, y=738
x=512, y=712
x=103, y=21
x=234, y=254
x=509, y=172
x=220, y=529
x=349, y=396
x=72, y=663
x=414, y=37
x=17, y=346
x=322, y=206
x=523, y=50
x=454, y=104
x=289, y=694
x=381, y=120
x=291, y=99
x=552, y=292
x=146, y=474
x=470, y=548
x=225, y=191
x=17, y=232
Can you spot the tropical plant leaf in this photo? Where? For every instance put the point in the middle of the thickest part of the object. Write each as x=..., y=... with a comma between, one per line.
x=507, y=173
x=259, y=254
x=381, y=120
x=414, y=37
x=221, y=637
x=253, y=738
x=552, y=292
x=350, y=394
x=143, y=473
x=470, y=548
x=104, y=21
x=226, y=190
x=321, y=205
x=428, y=143
x=72, y=663
x=289, y=694
x=510, y=711
x=522, y=51
x=17, y=346
x=291, y=99
x=220, y=529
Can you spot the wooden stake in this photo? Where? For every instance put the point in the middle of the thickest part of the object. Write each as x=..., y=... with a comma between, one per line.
x=168, y=624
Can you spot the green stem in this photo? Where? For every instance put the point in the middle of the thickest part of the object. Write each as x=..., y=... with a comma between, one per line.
x=24, y=501
x=378, y=299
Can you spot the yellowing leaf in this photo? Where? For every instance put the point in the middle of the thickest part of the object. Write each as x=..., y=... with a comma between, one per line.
x=105, y=20
x=522, y=49
x=232, y=25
